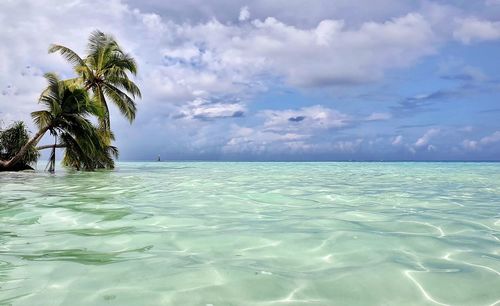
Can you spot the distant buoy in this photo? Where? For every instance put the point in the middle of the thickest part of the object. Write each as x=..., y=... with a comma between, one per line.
x=159, y=159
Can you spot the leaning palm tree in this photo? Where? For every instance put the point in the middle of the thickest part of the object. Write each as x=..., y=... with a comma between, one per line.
x=66, y=116
x=104, y=72
x=69, y=109
x=12, y=140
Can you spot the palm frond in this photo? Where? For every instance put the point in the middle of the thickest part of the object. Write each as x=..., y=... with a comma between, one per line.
x=97, y=40
x=42, y=118
x=68, y=54
x=12, y=139
x=124, y=83
x=121, y=61
x=124, y=103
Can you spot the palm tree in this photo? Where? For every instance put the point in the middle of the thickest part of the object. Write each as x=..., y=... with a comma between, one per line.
x=12, y=139
x=85, y=147
x=66, y=117
x=104, y=71
x=103, y=74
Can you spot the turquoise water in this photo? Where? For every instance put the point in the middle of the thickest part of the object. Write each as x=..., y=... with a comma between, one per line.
x=253, y=234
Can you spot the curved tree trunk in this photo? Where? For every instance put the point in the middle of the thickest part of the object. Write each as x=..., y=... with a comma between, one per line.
x=58, y=146
x=7, y=164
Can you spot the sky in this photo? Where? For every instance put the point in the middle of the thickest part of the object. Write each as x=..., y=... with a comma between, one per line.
x=278, y=80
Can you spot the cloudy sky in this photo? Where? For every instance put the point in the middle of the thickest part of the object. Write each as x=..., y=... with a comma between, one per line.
x=280, y=79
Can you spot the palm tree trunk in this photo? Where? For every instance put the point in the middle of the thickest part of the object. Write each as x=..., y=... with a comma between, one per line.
x=58, y=146
x=51, y=166
x=104, y=121
x=14, y=160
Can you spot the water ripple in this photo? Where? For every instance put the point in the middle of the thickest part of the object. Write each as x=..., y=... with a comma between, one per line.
x=253, y=234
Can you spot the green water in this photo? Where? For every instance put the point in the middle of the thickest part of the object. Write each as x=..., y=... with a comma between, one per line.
x=253, y=234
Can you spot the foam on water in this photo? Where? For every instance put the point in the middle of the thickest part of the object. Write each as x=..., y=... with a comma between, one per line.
x=253, y=234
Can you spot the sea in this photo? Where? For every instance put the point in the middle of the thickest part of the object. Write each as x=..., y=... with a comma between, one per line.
x=251, y=233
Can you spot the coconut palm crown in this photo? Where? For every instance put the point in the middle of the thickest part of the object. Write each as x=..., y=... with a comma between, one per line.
x=105, y=72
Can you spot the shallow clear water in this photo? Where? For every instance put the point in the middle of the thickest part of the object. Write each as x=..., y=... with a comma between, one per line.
x=253, y=234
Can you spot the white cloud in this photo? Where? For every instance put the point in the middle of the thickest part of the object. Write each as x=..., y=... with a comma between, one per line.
x=486, y=141
x=304, y=119
x=244, y=14
x=493, y=138
x=290, y=131
x=153, y=22
x=473, y=29
x=398, y=140
x=424, y=140
x=340, y=55
x=454, y=68
x=258, y=141
x=470, y=144
x=203, y=109
x=349, y=146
